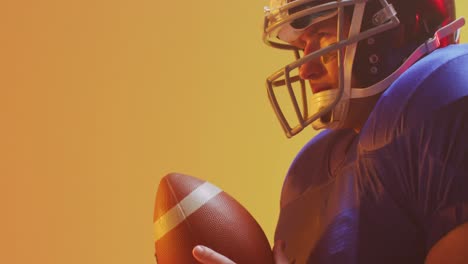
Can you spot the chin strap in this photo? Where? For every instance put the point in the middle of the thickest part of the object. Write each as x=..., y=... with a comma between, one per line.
x=426, y=48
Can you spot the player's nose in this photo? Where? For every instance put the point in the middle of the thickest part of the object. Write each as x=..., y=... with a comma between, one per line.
x=312, y=69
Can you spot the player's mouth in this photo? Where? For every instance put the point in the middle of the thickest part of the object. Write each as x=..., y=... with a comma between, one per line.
x=316, y=88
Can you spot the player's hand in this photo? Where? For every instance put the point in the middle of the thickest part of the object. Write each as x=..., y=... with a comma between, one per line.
x=208, y=256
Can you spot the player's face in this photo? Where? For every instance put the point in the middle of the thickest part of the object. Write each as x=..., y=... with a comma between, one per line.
x=322, y=73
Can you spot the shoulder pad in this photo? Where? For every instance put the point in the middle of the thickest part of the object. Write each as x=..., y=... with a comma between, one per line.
x=434, y=82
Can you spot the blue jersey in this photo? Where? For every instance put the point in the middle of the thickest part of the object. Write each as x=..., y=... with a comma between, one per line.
x=388, y=194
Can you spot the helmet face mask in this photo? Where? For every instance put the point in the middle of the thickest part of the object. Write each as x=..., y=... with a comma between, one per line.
x=359, y=25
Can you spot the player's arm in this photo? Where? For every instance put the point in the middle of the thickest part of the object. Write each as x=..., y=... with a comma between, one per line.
x=452, y=248
x=208, y=256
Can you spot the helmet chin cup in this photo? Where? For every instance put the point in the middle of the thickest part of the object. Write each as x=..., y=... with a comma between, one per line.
x=329, y=118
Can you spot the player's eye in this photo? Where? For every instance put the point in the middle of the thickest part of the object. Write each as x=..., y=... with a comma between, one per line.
x=326, y=37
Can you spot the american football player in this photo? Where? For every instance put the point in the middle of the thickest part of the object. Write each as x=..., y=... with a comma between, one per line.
x=386, y=180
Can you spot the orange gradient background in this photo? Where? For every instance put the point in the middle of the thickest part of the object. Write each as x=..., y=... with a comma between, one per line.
x=100, y=99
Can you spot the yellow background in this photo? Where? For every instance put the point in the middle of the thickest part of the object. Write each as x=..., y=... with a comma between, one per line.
x=100, y=99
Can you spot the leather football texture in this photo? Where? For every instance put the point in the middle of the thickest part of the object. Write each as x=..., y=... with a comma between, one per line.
x=189, y=212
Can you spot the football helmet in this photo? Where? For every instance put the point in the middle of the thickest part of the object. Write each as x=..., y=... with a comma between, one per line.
x=376, y=41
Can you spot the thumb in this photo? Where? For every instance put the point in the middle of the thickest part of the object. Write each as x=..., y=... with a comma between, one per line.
x=206, y=255
x=278, y=252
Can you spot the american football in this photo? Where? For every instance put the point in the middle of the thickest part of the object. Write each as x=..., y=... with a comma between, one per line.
x=189, y=212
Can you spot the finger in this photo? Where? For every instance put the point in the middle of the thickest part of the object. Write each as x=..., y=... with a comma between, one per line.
x=278, y=252
x=208, y=256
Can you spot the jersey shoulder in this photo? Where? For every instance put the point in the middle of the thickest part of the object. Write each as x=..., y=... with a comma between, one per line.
x=314, y=164
x=433, y=83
